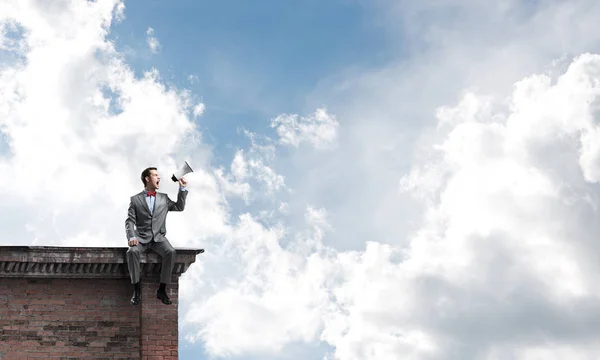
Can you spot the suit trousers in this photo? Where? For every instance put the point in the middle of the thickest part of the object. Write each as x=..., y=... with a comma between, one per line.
x=162, y=248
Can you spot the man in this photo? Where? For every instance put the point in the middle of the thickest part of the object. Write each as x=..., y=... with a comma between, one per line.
x=145, y=229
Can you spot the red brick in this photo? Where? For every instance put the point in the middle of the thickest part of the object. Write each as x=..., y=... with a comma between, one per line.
x=83, y=314
x=54, y=326
x=58, y=325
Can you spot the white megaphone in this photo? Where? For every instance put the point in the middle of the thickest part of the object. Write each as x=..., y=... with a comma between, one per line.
x=185, y=169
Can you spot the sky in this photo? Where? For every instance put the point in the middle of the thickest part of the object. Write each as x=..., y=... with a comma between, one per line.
x=380, y=179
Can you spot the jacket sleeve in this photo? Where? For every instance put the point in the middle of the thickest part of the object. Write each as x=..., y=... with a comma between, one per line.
x=130, y=221
x=178, y=205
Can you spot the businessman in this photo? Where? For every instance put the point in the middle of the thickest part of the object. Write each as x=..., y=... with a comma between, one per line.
x=145, y=229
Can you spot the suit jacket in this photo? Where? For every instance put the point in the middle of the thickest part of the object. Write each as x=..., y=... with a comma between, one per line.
x=146, y=226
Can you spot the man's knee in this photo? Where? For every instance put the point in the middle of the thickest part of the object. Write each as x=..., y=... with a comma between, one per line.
x=133, y=251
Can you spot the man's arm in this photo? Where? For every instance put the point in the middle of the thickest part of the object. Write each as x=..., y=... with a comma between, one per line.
x=179, y=205
x=130, y=221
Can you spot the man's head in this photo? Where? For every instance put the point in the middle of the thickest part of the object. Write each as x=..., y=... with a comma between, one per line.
x=150, y=178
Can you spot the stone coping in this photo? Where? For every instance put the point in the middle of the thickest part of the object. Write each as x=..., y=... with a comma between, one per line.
x=84, y=262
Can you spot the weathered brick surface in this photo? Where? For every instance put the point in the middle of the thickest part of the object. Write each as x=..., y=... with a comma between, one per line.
x=71, y=303
x=68, y=318
x=158, y=322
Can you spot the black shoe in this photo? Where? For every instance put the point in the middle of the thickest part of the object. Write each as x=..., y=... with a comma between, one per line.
x=162, y=295
x=135, y=298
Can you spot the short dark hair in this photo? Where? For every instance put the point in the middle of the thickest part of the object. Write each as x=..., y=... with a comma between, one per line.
x=145, y=173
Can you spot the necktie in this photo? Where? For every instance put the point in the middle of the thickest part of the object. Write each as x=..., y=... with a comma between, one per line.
x=151, y=193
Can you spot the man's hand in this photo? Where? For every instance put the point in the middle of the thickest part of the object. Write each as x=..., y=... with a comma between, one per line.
x=132, y=242
x=182, y=182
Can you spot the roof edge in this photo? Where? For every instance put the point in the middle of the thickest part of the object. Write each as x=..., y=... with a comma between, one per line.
x=82, y=262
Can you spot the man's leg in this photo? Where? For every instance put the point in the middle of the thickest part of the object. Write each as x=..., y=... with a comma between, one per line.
x=133, y=264
x=167, y=252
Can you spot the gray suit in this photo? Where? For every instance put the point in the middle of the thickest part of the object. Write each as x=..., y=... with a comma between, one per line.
x=148, y=226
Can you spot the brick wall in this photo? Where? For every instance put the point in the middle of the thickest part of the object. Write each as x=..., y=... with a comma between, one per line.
x=67, y=318
x=159, y=331
x=71, y=303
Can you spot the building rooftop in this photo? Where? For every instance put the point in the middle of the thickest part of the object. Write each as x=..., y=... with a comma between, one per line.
x=83, y=262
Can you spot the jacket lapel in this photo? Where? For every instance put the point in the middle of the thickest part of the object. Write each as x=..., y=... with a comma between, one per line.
x=142, y=198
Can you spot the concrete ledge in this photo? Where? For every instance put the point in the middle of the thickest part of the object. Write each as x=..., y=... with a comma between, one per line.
x=83, y=262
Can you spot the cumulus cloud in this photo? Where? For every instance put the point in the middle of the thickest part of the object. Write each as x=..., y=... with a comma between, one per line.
x=252, y=169
x=510, y=230
x=152, y=41
x=75, y=116
x=319, y=129
x=274, y=298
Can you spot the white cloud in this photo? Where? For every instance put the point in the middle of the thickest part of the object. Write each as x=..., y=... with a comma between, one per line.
x=274, y=297
x=152, y=41
x=504, y=228
x=239, y=167
x=83, y=123
x=255, y=164
x=319, y=129
x=199, y=109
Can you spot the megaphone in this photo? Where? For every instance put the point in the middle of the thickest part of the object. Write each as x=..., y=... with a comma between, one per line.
x=185, y=169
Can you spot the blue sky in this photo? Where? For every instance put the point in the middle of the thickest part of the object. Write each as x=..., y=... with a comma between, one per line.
x=255, y=61
x=252, y=60
x=430, y=174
